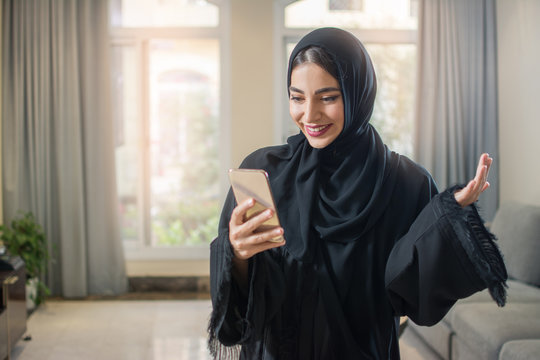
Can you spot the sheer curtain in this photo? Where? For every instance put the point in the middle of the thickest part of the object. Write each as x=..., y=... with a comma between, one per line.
x=457, y=93
x=58, y=145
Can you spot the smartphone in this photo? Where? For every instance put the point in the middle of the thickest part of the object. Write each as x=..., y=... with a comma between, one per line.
x=254, y=183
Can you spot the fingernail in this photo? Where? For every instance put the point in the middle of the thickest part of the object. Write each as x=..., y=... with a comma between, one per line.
x=278, y=231
x=251, y=201
x=268, y=212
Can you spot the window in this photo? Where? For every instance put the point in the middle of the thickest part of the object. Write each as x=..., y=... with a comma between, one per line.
x=388, y=30
x=167, y=61
x=347, y=5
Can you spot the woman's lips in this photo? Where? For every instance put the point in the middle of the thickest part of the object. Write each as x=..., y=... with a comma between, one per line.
x=317, y=130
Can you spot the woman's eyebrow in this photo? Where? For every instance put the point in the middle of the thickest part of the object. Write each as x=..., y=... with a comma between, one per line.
x=292, y=88
x=326, y=89
x=319, y=91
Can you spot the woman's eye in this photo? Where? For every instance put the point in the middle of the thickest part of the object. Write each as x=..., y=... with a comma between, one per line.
x=330, y=98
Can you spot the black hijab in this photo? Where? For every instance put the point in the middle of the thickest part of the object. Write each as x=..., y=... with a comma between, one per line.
x=339, y=192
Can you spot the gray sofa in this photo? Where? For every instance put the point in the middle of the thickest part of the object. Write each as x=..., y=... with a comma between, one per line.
x=476, y=328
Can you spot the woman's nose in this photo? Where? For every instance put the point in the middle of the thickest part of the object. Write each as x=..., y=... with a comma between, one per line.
x=311, y=113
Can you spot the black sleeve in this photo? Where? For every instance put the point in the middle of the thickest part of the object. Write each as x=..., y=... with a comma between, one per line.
x=236, y=316
x=446, y=255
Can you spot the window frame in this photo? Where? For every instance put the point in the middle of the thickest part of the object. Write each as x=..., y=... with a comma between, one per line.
x=284, y=35
x=362, y=6
x=139, y=37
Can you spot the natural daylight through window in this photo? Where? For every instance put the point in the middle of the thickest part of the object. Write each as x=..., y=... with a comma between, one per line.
x=166, y=80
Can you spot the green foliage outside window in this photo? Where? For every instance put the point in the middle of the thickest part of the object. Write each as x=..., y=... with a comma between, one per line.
x=187, y=212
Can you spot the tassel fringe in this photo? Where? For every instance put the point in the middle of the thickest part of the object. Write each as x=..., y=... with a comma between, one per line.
x=215, y=347
x=480, y=245
x=497, y=281
x=218, y=351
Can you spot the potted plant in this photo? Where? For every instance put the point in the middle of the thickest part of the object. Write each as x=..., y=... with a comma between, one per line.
x=26, y=238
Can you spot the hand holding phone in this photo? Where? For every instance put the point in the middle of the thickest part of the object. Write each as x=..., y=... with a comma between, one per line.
x=254, y=183
x=254, y=225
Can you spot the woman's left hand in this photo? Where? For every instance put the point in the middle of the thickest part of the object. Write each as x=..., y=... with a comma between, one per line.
x=470, y=193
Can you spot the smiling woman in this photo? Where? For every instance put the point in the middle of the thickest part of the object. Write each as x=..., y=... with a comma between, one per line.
x=388, y=30
x=316, y=104
x=367, y=237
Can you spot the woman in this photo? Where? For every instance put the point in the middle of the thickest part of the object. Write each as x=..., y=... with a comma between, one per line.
x=367, y=237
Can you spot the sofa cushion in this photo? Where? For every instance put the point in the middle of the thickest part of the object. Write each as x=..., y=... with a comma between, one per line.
x=517, y=292
x=517, y=226
x=437, y=337
x=485, y=327
x=462, y=351
x=520, y=350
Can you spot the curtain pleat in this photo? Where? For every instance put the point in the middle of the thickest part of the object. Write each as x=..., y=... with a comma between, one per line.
x=457, y=93
x=58, y=147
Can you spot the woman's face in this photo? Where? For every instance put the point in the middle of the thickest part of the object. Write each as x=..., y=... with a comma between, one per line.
x=316, y=104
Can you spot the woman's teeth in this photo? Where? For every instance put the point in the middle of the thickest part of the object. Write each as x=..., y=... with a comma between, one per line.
x=317, y=129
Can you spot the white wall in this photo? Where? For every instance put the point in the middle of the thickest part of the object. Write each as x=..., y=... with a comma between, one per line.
x=519, y=99
x=168, y=268
x=252, y=97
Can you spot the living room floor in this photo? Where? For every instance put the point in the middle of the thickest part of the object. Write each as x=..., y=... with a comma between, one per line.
x=131, y=329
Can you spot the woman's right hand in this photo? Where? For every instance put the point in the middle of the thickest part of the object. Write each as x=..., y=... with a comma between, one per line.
x=244, y=240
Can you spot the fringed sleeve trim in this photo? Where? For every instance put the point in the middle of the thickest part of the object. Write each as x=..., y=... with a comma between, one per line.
x=218, y=351
x=485, y=260
x=221, y=268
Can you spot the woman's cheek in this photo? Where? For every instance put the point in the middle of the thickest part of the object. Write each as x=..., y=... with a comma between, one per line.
x=295, y=113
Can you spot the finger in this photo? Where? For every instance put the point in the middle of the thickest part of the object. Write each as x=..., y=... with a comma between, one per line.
x=265, y=246
x=482, y=180
x=480, y=168
x=488, y=163
x=480, y=176
x=249, y=226
x=245, y=251
x=269, y=245
x=263, y=237
x=237, y=216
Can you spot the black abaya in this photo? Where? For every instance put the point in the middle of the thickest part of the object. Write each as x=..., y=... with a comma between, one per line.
x=368, y=240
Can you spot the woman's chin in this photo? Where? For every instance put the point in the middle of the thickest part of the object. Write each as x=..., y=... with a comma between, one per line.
x=319, y=142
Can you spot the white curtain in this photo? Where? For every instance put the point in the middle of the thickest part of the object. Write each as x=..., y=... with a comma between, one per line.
x=457, y=93
x=58, y=145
